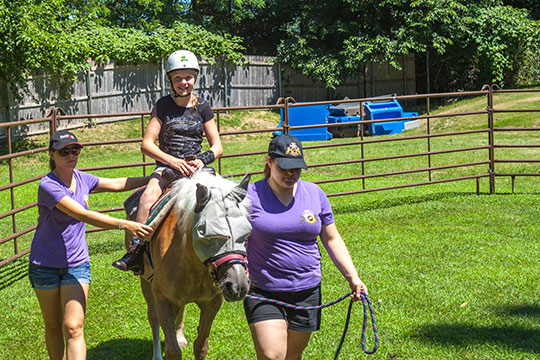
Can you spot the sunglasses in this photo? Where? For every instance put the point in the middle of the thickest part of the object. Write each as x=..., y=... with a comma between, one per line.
x=67, y=151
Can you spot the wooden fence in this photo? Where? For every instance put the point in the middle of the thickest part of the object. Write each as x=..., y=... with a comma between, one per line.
x=111, y=88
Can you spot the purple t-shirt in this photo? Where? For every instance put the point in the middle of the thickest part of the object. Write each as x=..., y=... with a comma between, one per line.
x=282, y=250
x=59, y=240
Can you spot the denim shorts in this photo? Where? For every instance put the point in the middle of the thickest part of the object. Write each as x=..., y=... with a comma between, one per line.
x=298, y=320
x=46, y=278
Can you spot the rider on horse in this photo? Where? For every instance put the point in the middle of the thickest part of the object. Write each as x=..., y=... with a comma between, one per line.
x=178, y=121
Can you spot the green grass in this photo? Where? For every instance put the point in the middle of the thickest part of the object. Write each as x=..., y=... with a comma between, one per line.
x=451, y=274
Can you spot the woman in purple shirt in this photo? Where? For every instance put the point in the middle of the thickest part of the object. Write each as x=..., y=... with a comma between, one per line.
x=59, y=268
x=287, y=215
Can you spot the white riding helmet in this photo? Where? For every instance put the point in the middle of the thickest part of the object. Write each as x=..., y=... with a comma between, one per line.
x=182, y=59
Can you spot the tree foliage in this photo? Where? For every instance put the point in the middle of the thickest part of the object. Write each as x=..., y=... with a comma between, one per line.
x=59, y=36
x=469, y=42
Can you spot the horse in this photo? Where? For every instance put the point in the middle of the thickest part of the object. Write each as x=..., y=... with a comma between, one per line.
x=198, y=256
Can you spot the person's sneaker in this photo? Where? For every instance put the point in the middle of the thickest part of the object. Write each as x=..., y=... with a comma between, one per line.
x=132, y=259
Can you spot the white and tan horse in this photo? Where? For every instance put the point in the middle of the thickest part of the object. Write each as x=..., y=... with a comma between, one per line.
x=198, y=255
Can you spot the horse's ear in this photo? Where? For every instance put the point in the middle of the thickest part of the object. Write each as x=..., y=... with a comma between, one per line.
x=203, y=196
x=244, y=184
x=245, y=181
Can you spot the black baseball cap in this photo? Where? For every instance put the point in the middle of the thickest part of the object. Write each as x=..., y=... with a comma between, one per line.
x=287, y=150
x=61, y=139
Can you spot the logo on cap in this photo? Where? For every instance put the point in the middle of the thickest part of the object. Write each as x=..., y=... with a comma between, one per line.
x=183, y=58
x=293, y=150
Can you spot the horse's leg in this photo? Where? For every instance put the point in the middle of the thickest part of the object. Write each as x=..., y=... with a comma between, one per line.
x=179, y=324
x=152, y=317
x=167, y=313
x=208, y=314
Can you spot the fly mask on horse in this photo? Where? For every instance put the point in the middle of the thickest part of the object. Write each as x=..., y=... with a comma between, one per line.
x=220, y=229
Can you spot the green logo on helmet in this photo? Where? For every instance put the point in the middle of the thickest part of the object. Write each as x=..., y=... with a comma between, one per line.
x=183, y=58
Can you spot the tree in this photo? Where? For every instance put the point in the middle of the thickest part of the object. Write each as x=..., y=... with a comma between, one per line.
x=58, y=37
x=471, y=41
x=532, y=6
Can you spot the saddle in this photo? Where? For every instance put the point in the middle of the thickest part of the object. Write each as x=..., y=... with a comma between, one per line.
x=169, y=176
x=158, y=212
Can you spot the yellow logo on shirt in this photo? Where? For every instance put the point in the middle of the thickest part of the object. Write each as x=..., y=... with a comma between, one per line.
x=86, y=201
x=308, y=216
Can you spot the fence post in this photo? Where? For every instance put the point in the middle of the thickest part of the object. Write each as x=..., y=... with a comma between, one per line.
x=428, y=132
x=372, y=78
x=225, y=84
x=89, y=108
x=427, y=71
x=491, y=140
x=279, y=80
x=12, y=190
x=142, y=136
x=362, y=144
x=286, y=116
x=8, y=111
x=218, y=123
x=404, y=71
x=162, y=78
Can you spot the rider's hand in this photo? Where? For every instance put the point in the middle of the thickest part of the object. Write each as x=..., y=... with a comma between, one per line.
x=197, y=163
x=183, y=166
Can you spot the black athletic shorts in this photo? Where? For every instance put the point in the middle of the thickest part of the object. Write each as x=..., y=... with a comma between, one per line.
x=298, y=320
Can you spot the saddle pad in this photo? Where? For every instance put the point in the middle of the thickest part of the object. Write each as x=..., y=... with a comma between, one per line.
x=132, y=202
x=158, y=212
x=160, y=209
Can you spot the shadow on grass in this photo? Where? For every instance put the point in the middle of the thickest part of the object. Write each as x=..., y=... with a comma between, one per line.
x=110, y=243
x=398, y=201
x=518, y=193
x=515, y=337
x=20, y=144
x=121, y=349
x=12, y=272
x=523, y=310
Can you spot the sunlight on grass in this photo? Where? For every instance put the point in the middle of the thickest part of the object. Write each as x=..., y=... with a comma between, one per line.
x=451, y=274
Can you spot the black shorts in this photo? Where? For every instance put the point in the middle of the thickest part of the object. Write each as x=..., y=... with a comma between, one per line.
x=298, y=320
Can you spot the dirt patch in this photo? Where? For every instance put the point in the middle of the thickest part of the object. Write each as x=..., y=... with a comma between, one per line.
x=247, y=120
x=511, y=103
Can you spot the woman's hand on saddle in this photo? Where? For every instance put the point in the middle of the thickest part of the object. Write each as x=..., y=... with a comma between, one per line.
x=185, y=167
x=357, y=287
x=137, y=229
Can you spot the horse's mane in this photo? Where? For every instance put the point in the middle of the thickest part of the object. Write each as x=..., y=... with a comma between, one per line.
x=185, y=189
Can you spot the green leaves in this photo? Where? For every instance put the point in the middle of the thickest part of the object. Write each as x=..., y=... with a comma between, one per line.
x=470, y=42
x=57, y=37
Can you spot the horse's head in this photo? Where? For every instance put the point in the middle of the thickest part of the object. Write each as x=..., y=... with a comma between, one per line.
x=220, y=230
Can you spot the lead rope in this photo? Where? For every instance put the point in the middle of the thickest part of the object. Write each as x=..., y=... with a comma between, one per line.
x=365, y=302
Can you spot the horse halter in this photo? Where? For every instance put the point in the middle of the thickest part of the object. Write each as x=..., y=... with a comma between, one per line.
x=228, y=259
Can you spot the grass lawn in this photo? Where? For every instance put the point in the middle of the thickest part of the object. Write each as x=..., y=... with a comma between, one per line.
x=451, y=274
